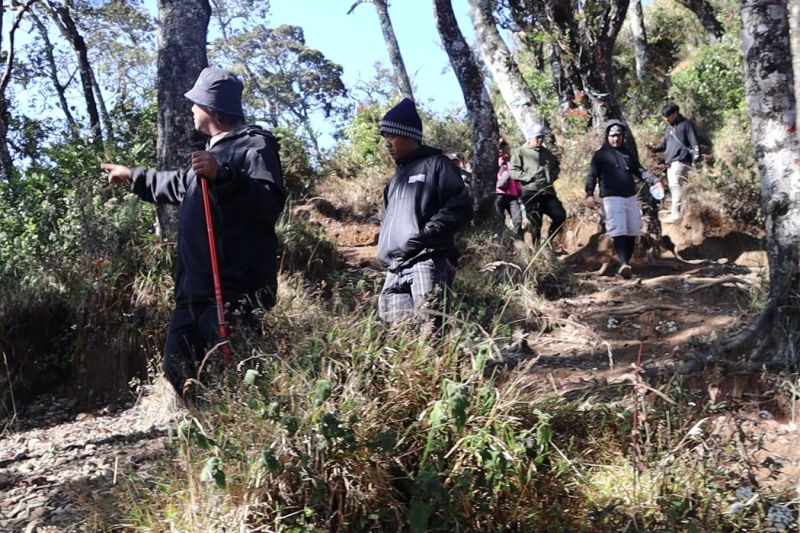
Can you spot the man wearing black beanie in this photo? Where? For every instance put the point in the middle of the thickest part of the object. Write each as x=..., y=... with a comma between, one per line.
x=425, y=203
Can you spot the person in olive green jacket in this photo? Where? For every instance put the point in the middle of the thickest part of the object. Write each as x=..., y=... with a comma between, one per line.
x=536, y=169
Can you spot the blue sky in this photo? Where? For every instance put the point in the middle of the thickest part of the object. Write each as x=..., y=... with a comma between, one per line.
x=355, y=41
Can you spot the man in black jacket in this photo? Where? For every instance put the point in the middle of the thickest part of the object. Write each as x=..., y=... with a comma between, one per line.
x=246, y=195
x=616, y=169
x=425, y=203
x=681, y=150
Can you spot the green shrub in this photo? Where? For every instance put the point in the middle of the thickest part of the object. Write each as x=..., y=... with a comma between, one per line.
x=299, y=174
x=711, y=89
x=734, y=175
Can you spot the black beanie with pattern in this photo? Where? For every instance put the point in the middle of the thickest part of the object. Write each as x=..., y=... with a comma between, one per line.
x=403, y=120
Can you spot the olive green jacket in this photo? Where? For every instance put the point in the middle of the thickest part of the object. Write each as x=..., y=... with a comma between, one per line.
x=536, y=169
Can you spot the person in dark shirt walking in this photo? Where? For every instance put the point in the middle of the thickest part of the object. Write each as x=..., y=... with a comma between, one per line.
x=681, y=149
x=246, y=197
x=425, y=203
x=615, y=168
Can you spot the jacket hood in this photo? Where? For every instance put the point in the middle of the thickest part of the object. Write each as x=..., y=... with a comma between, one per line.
x=610, y=124
x=253, y=130
x=614, y=122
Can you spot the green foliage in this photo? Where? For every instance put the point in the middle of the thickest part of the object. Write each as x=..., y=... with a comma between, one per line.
x=540, y=82
x=299, y=175
x=79, y=248
x=672, y=30
x=288, y=82
x=363, y=136
x=712, y=87
x=734, y=175
x=449, y=131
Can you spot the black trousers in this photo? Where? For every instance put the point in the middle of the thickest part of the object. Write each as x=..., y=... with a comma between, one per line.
x=538, y=205
x=510, y=204
x=194, y=329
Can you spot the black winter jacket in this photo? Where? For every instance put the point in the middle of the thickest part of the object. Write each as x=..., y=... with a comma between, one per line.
x=246, y=199
x=425, y=203
x=615, y=169
x=679, y=142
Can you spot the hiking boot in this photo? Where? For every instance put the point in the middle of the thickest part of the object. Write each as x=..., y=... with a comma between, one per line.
x=625, y=271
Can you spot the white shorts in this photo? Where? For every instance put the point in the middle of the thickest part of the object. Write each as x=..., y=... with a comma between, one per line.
x=623, y=216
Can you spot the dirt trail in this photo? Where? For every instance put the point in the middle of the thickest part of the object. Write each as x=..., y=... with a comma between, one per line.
x=696, y=288
x=55, y=466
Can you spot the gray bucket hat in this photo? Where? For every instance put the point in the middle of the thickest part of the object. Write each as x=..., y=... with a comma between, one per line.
x=537, y=130
x=219, y=90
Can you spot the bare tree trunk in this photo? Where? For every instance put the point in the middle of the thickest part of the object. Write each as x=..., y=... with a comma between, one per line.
x=52, y=72
x=639, y=33
x=181, y=57
x=483, y=122
x=6, y=163
x=586, y=46
x=515, y=92
x=773, y=339
x=794, y=35
x=597, y=37
x=705, y=13
x=101, y=104
x=63, y=19
x=400, y=72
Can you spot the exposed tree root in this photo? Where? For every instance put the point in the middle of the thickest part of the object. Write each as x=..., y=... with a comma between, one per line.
x=701, y=283
x=599, y=272
x=639, y=309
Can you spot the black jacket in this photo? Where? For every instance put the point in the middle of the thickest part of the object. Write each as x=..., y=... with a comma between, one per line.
x=615, y=169
x=679, y=142
x=425, y=203
x=246, y=199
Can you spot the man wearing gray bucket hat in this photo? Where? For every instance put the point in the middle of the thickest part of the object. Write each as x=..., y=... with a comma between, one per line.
x=246, y=195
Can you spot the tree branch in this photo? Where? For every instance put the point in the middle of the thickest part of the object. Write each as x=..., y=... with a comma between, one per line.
x=356, y=4
x=10, y=54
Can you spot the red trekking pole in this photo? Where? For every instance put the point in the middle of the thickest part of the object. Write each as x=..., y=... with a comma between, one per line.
x=212, y=247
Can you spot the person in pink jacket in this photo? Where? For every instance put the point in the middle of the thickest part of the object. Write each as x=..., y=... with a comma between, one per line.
x=508, y=190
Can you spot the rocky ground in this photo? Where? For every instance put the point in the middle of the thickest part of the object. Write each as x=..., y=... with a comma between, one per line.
x=57, y=465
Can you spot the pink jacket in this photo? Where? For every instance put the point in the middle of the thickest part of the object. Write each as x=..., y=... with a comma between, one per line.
x=512, y=188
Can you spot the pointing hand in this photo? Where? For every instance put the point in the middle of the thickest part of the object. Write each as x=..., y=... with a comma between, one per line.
x=117, y=174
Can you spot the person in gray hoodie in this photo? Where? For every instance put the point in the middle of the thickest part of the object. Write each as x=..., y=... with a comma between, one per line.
x=246, y=196
x=425, y=203
x=616, y=170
